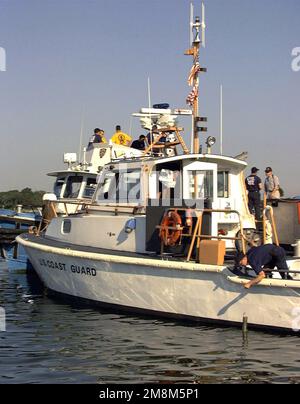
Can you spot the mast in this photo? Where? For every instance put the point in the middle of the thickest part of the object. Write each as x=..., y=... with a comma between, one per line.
x=197, y=39
x=221, y=119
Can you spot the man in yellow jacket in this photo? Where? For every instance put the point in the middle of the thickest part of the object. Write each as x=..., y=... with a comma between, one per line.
x=121, y=138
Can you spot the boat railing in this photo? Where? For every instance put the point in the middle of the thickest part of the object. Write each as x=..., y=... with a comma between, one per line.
x=53, y=209
x=282, y=271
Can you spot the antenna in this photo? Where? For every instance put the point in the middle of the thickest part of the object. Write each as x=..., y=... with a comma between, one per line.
x=195, y=25
x=203, y=25
x=130, y=126
x=197, y=38
x=221, y=119
x=149, y=92
x=81, y=133
x=191, y=24
x=150, y=104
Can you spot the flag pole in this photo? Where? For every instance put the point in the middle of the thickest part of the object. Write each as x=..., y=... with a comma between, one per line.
x=197, y=38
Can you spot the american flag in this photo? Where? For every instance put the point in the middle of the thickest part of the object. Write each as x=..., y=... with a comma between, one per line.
x=195, y=69
x=191, y=97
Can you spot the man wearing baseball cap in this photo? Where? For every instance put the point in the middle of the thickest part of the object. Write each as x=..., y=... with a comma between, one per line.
x=272, y=185
x=254, y=186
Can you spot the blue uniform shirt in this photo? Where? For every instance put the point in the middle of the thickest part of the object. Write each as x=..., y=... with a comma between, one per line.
x=258, y=257
x=253, y=183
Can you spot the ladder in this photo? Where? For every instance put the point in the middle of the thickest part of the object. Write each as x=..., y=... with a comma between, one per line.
x=180, y=141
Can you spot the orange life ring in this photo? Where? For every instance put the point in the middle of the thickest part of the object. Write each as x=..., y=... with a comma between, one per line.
x=169, y=236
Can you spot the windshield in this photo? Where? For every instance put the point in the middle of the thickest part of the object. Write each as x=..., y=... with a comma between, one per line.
x=120, y=187
x=223, y=184
x=90, y=188
x=73, y=187
x=58, y=186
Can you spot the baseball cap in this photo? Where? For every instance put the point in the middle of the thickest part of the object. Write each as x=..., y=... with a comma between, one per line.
x=268, y=170
x=254, y=170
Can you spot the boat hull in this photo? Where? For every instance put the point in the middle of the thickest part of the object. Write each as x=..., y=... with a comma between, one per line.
x=166, y=288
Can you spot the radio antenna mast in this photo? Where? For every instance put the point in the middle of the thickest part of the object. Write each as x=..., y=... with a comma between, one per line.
x=150, y=116
x=197, y=39
x=81, y=133
x=191, y=25
x=203, y=26
x=221, y=119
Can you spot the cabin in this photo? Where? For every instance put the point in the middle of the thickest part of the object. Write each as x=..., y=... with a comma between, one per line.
x=78, y=182
x=133, y=196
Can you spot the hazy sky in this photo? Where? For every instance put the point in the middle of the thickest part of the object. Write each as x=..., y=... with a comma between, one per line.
x=66, y=56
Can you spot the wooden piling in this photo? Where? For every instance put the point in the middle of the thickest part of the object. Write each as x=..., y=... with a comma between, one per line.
x=245, y=326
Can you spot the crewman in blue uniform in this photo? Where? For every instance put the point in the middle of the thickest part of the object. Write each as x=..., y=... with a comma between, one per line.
x=254, y=186
x=266, y=256
x=140, y=144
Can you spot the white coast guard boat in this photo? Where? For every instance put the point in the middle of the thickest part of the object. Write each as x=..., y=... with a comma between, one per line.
x=154, y=238
x=113, y=253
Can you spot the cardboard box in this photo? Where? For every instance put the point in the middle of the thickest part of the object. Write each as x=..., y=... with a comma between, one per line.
x=212, y=252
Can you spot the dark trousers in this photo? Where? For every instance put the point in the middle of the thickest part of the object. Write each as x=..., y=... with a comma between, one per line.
x=254, y=203
x=279, y=261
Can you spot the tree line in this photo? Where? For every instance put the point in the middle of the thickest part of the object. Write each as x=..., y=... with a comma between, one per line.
x=26, y=198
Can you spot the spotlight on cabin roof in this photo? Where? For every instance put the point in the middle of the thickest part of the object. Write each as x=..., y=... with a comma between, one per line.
x=211, y=141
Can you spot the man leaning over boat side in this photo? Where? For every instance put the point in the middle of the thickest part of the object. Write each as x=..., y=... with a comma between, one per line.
x=261, y=258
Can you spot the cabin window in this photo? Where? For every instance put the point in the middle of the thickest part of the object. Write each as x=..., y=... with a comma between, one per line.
x=90, y=188
x=66, y=226
x=129, y=187
x=107, y=189
x=58, y=186
x=169, y=183
x=121, y=187
x=168, y=178
x=73, y=187
x=223, y=184
x=201, y=184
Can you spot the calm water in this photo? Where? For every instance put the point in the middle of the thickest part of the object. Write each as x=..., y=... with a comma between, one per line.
x=50, y=342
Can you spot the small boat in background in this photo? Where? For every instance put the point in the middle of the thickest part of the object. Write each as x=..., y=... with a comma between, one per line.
x=12, y=224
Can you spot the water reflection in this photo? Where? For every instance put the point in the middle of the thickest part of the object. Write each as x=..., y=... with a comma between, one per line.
x=53, y=342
